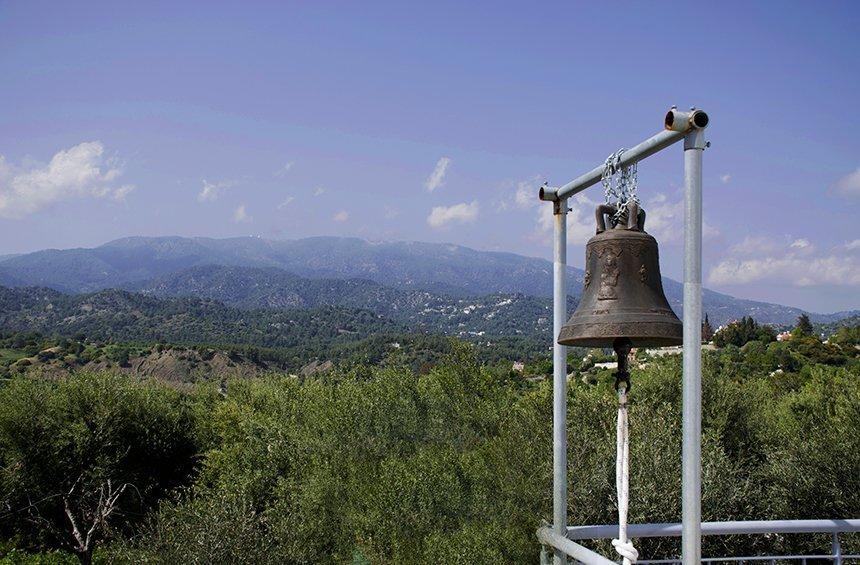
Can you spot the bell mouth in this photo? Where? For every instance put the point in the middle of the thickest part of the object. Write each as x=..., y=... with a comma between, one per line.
x=640, y=334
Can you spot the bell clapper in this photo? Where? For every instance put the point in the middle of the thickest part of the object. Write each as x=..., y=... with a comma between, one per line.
x=622, y=346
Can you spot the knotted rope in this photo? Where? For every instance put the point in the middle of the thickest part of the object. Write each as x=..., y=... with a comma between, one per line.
x=622, y=545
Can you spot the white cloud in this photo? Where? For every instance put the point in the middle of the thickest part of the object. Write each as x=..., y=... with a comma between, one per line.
x=284, y=170
x=319, y=191
x=664, y=220
x=437, y=177
x=341, y=216
x=580, y=220
x=391, y=212
x=287, y=201
x=78, y=172
x=795, y=271
x=523, y=195
x=849, y=185
x=853, y=245
x=526, y=195
x=212, y=190
x=462, y=213
x=120, y=193
x=793, y=264
x=802, y=245
x=725, y=178
x=240, y=215
x=753, y=246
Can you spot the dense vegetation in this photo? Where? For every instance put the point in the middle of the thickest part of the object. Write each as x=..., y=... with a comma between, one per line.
x=121, y=316
x=274, y=322
x=126, y=316
x=743, y=331
x=451, y=464
x=32, y=352
x=288, y=338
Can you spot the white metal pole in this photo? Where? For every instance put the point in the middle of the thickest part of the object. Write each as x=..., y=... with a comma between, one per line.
x=694, y=146
x=559, y=377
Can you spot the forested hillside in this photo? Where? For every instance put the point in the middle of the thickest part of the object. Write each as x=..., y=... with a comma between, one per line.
x=411, y=272
x=125, y=316
x=288, y=339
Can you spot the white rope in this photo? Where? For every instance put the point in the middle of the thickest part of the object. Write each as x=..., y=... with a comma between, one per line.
x=622, y=545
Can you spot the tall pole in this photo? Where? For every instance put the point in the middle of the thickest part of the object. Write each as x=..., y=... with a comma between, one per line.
x=691, y=455
x=559, y=377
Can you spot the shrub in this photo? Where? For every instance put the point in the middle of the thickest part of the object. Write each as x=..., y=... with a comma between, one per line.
x=79, y=453
x=210, y=527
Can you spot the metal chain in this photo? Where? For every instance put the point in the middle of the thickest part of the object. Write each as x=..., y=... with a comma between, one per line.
x=619, y=184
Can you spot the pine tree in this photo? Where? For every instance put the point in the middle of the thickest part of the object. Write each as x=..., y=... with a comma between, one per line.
x=707, y=330
x=804, y=326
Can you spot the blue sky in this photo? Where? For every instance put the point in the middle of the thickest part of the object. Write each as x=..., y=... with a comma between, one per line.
x=435, y=122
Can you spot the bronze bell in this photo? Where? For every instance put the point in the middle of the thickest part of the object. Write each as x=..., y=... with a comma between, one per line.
x=622, y=302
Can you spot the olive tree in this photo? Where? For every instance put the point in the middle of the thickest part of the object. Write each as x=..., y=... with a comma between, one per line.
x=80, y=456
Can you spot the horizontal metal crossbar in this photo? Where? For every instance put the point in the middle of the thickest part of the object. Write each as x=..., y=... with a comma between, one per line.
x=718, y=528
x=584, y=555
x=801, y=558
x=571, y=549
x=635, y=154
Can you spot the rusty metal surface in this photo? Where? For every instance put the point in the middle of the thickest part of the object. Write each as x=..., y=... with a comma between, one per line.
x=622, y=294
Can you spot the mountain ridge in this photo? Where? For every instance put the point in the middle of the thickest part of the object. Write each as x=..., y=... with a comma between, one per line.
x=447, y=270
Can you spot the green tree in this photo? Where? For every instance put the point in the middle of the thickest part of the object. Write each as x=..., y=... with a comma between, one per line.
x=803, y=327
x=80, y=456
x=707, y=330
x=741, y=331
x=847, y=338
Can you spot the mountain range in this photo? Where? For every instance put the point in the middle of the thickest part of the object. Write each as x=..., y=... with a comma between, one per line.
x=443, y=287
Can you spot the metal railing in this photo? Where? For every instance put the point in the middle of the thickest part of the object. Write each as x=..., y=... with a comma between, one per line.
x=582, y=554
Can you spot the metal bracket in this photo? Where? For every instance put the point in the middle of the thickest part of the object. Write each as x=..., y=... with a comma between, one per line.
x=695, y=139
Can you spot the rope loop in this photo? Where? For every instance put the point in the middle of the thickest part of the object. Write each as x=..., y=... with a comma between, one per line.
x=626, y=550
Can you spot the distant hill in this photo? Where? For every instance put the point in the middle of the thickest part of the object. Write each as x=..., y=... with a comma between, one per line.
x=299, y=319
x=121, y=316
x=251, y=288
x=502, y=326
x=172, y=364
x=494, y=314
x=7, y=279
x=382, y=277
x=276, y=316
x=448, y=268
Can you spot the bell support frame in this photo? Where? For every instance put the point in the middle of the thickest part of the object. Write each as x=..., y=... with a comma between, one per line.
x=679, y=125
